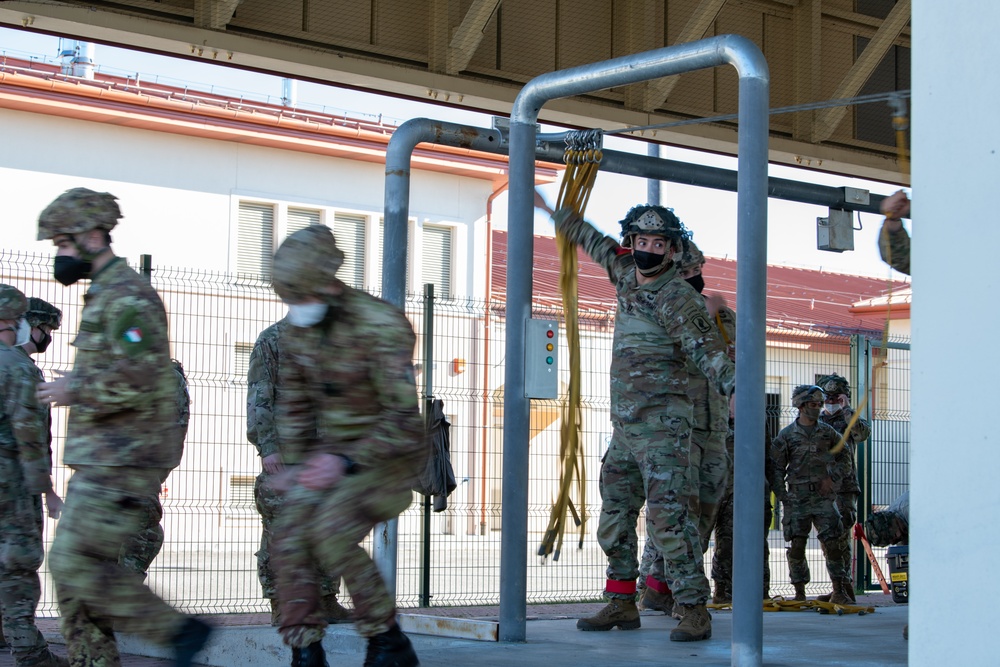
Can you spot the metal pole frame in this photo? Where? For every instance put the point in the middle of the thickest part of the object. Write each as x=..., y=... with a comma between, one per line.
x=754, y=77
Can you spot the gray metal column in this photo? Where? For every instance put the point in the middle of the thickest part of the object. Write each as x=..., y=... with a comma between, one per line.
x=751, y=255
x=654, y=187
x=397, y=209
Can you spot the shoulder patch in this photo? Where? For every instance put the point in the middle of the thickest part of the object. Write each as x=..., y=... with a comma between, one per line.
x=130, y=334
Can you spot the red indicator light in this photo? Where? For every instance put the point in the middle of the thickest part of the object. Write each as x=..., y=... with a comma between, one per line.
x=550, y=333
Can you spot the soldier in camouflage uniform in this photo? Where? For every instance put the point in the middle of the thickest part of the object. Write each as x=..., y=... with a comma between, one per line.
x=352, y=446
x=262, y=389
x=837, y=413
x=893, y=241
x=711, y=463
x=661, y=325
x=25, y=477
x=118, y=441
x=805, y=479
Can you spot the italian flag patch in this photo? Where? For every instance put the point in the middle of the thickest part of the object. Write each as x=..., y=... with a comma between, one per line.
x=133, y=335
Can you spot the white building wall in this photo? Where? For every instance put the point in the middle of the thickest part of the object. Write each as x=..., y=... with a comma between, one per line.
x=955, y=458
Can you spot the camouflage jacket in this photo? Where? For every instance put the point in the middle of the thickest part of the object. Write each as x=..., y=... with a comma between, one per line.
x=711, y=409
x=124, y=410
x=658, y=328
x=848, y=455
x=23, y=421
x=262, y=390
x=802, y=457
x=895, y=249
x=347, y=388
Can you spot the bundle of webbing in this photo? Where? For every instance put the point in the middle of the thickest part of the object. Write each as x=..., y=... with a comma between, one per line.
x=582, y=157
x=900, y=123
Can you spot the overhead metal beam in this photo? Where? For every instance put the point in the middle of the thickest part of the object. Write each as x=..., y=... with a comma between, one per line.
x=827, y=120
x=469, y=34
x=214, y=14
x=701, y=20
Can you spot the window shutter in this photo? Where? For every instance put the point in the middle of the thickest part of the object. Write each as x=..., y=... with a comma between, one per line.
x=241, y=360
x=255, y=243
x=436, y=256
x=378, y=263
x=300, y=218
x=350, y=233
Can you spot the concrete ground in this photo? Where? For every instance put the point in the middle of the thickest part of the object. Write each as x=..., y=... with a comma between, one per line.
x=790, y=638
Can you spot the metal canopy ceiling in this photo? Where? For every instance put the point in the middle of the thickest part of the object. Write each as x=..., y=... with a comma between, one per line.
x=479, y=53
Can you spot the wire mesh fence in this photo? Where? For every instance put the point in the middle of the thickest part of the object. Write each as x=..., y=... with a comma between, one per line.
x=208, y=563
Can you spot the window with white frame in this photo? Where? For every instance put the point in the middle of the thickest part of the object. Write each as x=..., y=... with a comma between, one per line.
x=349, y=231
x=377, y=287
x=255, y=242
x=436, y=259
x=300, y=218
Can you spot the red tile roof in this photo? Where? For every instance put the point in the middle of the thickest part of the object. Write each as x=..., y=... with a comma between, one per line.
x=798, y=300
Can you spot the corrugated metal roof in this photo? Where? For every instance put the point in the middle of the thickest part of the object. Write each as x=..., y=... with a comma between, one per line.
x=798, y=300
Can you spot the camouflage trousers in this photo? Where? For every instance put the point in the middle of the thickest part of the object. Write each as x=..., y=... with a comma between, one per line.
x=802, y=511
x=650, y=463
x=722, y=559
x=139, y=550
x=21, y=554
x=847, y=504
x=710, y=467
x=268, y=503
x=324, y=529
x=105, y=508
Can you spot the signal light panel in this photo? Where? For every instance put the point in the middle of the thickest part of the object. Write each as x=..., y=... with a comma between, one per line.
x=541, y=359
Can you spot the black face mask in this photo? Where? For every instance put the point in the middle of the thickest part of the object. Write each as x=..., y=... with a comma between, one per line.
x=43, y=343
x=69, y=270
x=697, y=282
x=648, y=263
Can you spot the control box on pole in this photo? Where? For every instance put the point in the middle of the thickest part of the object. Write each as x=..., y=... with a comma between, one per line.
x=541, y=357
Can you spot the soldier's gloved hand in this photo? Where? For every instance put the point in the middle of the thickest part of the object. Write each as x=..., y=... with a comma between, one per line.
x=826, y=487
x=53, y=504
x=565, y=218
x=322, y=471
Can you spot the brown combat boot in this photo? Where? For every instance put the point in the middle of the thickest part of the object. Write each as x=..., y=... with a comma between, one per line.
x=656, y=601
x=695, y=626
x=723, y=594
x=621, y=613
x=839, y=595
x=800, y=592
x=333, y=611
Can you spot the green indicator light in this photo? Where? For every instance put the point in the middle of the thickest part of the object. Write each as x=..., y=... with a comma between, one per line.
x=548, y=360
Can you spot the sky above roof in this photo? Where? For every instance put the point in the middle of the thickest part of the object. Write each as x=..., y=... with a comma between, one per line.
x=710, y=214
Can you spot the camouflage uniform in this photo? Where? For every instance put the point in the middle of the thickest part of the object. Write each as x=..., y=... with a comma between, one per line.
x=120, y=443
x=711, y=460
x=895, y=249
x=25, y=474
x=801, y=462
x=262, y=391
x=848, y=490
x=659, y=327
x=361, y=407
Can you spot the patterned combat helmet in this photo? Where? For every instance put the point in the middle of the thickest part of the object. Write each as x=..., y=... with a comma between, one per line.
x=305, y=261
x=806, y=393
x=42, y=312
x=76, y=211
x=691, y=257
x=835, y=384
x=653, y=219
x=13, y=303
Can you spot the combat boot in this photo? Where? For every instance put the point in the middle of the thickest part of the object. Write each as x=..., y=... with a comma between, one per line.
x=723, y=594
x=45, y=658
x=191, y=638
x=391, y=649
x=310, y=656
x=695, y=626
x=656, y=601
x=839, y=595
x=333, y=611
x=800, y=592
x=621, y=613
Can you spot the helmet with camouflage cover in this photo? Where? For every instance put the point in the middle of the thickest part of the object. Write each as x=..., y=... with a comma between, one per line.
x=42, y=312
x=806, y=393
x=835, y=384
x=691, y=257
x=306, y=261
x=13, y=303
x=656, y=220
x=76, y=211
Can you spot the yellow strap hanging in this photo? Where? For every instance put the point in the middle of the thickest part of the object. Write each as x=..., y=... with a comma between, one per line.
x=582, y=157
